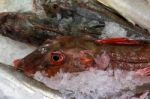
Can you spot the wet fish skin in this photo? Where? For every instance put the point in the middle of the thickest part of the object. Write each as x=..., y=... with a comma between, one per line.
x=24, y=27
x=69, y=17
x=27, y=84
x=32, y=86
x=75, y=54
x=91, y=10
x=136, y=12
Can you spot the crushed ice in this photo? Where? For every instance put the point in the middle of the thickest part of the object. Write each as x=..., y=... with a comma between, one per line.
x=11, y=50
x=112, y=30
x=92, y=84
x=15, y=5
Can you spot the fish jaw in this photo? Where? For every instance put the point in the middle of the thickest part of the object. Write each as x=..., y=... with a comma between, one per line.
x=30, y=64
x=18, y=64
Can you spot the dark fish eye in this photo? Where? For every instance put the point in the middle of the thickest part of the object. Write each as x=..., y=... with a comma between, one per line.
x=57, y=58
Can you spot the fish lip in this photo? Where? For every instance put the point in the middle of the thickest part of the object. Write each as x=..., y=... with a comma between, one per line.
x=17, y=64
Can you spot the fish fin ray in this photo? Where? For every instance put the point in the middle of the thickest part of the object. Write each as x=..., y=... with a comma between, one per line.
x=120, y=41
x=143, y=72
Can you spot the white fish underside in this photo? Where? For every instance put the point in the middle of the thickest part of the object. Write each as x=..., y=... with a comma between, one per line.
x=135, y=11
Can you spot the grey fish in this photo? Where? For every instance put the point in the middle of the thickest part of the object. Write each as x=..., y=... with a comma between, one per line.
x=88, y=15
x=66, y=17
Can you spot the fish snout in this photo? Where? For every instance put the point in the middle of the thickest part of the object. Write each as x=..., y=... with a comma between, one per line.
x=19, y=65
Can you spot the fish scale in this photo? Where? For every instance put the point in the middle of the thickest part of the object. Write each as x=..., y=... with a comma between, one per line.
x=62, y=18
x=85, y=53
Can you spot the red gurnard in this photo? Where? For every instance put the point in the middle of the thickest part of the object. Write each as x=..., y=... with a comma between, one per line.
x=76, y=54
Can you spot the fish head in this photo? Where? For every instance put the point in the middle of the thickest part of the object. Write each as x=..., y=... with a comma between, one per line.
x=70, y=54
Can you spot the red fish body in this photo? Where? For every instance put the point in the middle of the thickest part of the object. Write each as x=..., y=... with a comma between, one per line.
x=76, y=54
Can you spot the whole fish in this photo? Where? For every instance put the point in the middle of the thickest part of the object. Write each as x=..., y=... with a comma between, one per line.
x=135, y=11
x=75, y=54
x=23, y=86
x=78, y=54
x=57, y=18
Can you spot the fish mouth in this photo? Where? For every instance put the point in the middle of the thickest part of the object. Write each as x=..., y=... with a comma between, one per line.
x=18, y=65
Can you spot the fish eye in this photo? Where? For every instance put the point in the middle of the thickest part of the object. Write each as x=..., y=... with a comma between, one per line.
x=57, y=58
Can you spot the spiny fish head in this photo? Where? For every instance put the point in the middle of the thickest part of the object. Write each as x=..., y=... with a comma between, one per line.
x=70, y=54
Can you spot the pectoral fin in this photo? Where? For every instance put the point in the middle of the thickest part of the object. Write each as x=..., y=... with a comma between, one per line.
x=143, y=72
